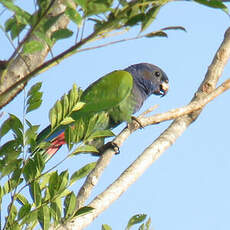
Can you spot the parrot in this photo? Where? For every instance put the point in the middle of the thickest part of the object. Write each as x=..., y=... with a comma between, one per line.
x=123, y=93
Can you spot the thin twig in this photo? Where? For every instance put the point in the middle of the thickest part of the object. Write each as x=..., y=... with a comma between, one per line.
x=149, y=110
x=56, y=60
x=32, y=29
x=12, y=44
x=82, y=30
x=111, y=43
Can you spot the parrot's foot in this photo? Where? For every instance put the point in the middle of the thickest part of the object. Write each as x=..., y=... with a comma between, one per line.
x=138, y=121
x=110, y=145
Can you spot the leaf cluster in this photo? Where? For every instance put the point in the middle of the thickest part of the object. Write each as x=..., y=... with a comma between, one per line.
x=134, y=220
x=106, y=16
x=50, y=200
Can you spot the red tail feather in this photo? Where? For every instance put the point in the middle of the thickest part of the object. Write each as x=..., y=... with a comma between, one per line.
x=56, y=144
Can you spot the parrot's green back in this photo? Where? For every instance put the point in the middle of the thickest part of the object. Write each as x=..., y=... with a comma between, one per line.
x=108, y=94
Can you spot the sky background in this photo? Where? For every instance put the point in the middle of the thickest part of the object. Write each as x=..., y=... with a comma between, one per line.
x=188, y=187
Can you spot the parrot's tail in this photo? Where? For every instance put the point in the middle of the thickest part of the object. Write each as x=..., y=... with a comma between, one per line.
x=56, y=144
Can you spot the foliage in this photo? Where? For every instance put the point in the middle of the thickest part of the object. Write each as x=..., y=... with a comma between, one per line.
x=23, y=158
x=23, y=164
x=134, y=220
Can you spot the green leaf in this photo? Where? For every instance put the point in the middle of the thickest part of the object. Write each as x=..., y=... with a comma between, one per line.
x=13, y=182
x=12, y=123
x=74, y=133
x=53, y=117
x=12, y=215
x=136, y=219
x=105, y=227
x=94, y=7
x=69, y=137
x=150, y=17
x=142, y=227
x=10, y=166
x=91, y=123
x=5, y=128
x=69, y=205
x=35, y=88
x=59, y=114
x=55, y=210
x=147, y=224
x=53, y=184
x=44, y=217
x=32, y=47
x=85, y=149
x=51, y=21
x=31, y=217
x=82, y=172
x=78, y=106
x=156, y=34
x=43, y=36
x=9, y=151
x=101, y=133
x=67, y=120
x=45, y=180
x=63, y=180
x=13, y=26
x=65, y=104
x=214, y=4
x=73, y=15
x=81, y=3
x=16, y=30
x=10, y=23
x=35, y=193
x=59, y=111
x=79, y=129
x=135, y=19
x=62, y=34
x=34, y=97
x=83, y=211
x=21, y=199
x=39, y=163
x=16, y=9
x=31, y=134
x=24, y=210
x=30, y=170
x=174, y=28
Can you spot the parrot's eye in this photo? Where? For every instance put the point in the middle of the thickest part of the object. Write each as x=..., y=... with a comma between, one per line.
x=157, y=74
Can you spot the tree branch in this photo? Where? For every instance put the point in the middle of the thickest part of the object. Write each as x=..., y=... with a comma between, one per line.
x=17, y=69
x=205, y=93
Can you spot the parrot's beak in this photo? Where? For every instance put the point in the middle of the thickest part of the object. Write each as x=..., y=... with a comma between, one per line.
x=164, y=87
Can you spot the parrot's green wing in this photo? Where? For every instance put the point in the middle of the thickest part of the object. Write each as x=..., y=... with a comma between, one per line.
x=106, y=92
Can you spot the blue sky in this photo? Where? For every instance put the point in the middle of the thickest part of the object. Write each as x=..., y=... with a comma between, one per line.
x=188, y=187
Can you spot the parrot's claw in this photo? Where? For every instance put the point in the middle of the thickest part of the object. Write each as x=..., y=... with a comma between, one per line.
x=138, y=121
x=110, y=145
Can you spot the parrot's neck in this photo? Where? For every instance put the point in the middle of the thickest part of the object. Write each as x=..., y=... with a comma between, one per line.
x=141, y=91
x=145, y=86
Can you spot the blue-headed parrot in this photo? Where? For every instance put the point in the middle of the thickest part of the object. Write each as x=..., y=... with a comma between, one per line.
x=123, y=93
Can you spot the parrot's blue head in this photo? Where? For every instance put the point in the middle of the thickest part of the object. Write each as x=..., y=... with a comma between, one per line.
x=150, y=78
